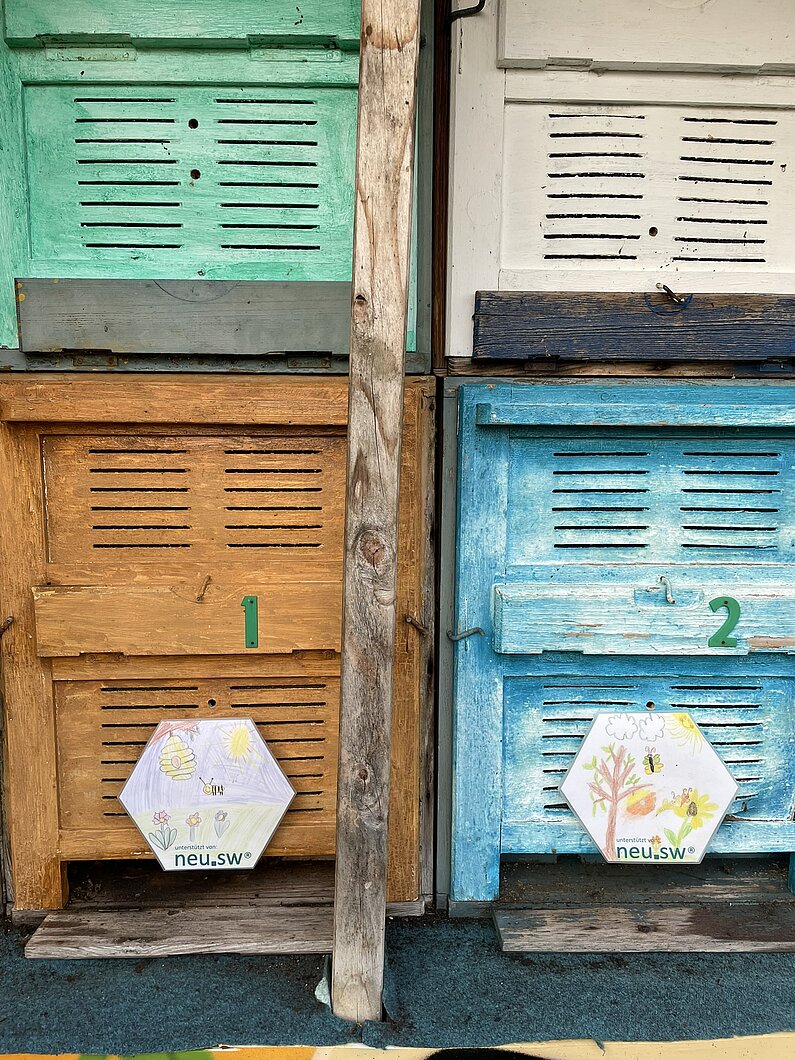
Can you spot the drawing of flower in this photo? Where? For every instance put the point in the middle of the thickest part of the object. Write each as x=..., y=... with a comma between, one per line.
x=193, y=822
x=652, y=727
x=641, y=803
x=695, y=808
x=621, y=726
x=221, y=822
x=685, y=731
x=165, y=836
x=656, y=841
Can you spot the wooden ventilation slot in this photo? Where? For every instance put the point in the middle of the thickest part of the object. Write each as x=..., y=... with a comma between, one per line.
x=594, y=187
x=646, y=498
x=629, y=194
x=739, y=718
x=276, y=497
x=102, y=728
x=136, y=499
x=730, y=499
x=726, y=178
x=600, y=500
x=197, y=178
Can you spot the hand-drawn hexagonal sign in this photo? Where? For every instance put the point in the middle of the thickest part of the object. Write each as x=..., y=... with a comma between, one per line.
x=207, y=794
x=648, y=787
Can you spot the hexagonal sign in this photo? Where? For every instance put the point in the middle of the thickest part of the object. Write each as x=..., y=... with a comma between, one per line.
x=207, y=794
x=648, y=787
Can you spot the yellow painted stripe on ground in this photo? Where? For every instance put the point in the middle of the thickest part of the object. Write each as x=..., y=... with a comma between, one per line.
x=759, y=1047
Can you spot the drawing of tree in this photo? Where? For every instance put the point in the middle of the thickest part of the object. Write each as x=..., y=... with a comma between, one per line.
x=613, y=781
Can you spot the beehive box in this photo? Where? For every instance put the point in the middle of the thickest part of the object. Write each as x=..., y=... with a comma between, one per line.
x=155, y=164
x=614, y=515
x=142, y=511
x=600, y=170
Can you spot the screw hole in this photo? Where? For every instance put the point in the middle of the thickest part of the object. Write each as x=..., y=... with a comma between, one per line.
x=653, y=231
x=195, y=174
x=193, y=124
x=650, y=705
x=212, y=703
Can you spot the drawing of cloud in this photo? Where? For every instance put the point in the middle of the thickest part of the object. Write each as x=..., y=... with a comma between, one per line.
x=652, y=727
x=622, y=726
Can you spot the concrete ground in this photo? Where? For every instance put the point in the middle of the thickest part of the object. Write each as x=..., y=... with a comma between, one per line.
x=448, y=984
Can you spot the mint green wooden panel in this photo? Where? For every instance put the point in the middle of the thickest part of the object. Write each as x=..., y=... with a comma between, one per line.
x=12, y=198
x=170, y=21
x=148, y=181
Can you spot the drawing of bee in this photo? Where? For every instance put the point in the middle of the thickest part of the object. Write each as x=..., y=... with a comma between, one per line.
x=209, y=787
x=652, y=762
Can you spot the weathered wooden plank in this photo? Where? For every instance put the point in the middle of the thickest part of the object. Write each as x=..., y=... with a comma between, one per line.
x=481, y=542
x=412, y=724
x=71, y=935
x=31, y=776
x=727, y=36
x=513, y=325
x=567, y=836
x=617, y=617
x=742, y=927
x=383, y=203
x=185, y=318
x=171, y=620
x=211, y=22
x=102, y=398
x=13, y=205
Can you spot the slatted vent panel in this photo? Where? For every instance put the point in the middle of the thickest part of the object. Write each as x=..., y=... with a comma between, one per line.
x=745, y=720
x=648, y=187
x=637, y=497
x=122, y=499
x=181, y=182
x=103, y=726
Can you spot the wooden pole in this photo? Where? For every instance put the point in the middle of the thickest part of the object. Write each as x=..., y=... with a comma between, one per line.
x=384, y=169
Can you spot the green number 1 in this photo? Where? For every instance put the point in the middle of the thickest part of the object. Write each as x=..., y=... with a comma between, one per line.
x=721, y=639
x=249, y=605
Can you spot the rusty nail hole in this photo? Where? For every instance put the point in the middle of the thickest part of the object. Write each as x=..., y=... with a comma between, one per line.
x=653, y=231
x=212, y=702
x=363, y=774
x=193, y=124
x=195, y=174
x=650, y=705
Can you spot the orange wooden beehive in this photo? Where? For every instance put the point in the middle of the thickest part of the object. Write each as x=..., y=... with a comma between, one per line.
x=137, y=515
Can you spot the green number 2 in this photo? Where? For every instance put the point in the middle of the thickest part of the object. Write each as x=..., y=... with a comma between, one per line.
x=249, y=605
x=721, y=639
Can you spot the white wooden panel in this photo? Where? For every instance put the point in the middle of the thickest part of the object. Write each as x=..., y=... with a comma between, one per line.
x=692, y=196
x=747, y=35
x=478, y=93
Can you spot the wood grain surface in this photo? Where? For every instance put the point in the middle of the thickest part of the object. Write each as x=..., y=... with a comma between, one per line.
x=383, y=203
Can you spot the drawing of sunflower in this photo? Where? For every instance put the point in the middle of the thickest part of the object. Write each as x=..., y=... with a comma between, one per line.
x=696, y=808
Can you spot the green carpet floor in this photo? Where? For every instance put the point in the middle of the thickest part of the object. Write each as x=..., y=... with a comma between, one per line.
x=448, y=985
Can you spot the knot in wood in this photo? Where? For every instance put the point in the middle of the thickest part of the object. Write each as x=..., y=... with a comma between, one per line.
x=375, y=562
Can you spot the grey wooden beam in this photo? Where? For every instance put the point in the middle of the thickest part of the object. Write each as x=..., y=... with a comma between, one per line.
x=383, y=198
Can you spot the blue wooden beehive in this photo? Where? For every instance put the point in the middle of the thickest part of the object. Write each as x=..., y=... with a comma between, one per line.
x=596, y=523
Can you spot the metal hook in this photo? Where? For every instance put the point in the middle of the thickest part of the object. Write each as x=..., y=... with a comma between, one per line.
x=675, y=298
x=467, y=633
x=466, y=12
x=669, y=593
x=412, y=620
